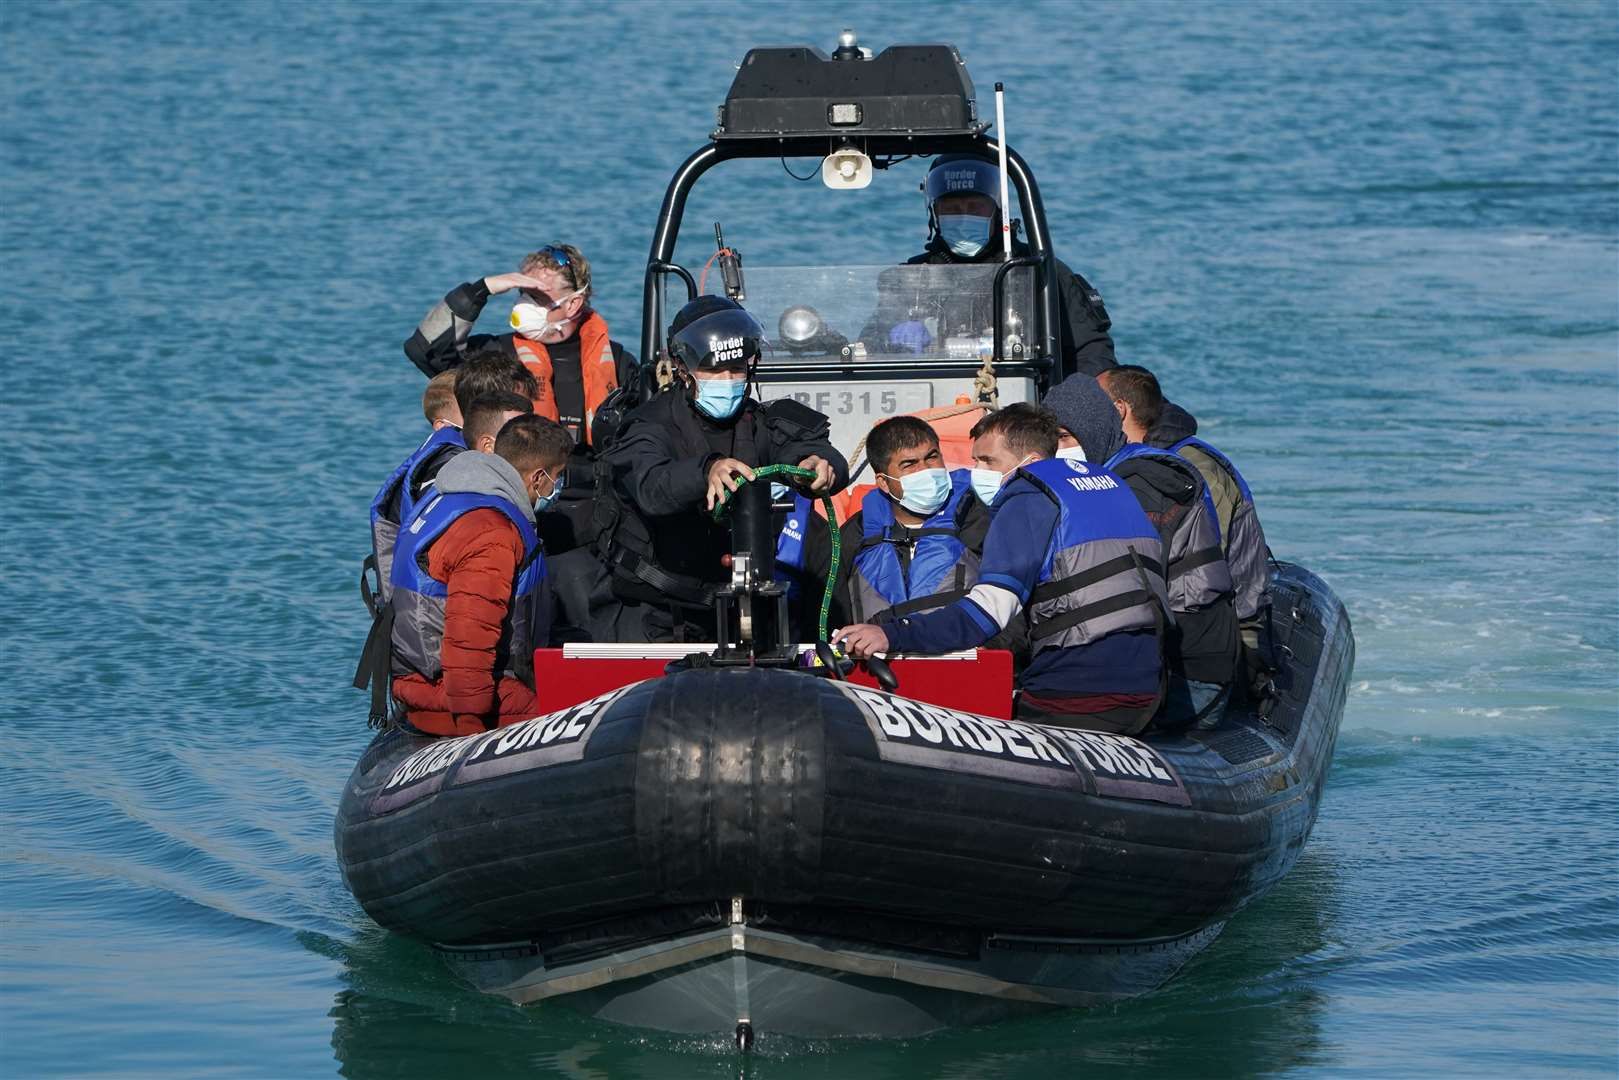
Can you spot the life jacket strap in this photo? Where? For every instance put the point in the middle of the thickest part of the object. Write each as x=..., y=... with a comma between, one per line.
x=376, y=659
x=1194, y=560
x=1160, y=618
x=1041, y=629
x=372, y=598
x=1086, y=578
x=926, y=603
x=910, y=537
x=687, y=590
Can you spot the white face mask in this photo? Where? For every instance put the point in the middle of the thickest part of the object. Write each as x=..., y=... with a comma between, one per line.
x=534, y=321
x=1071, y=453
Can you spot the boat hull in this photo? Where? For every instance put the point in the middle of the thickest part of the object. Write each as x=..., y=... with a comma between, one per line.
x=742, y=847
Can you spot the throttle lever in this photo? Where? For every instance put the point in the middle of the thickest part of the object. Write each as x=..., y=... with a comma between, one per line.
x=882, y=673
x=829, y=660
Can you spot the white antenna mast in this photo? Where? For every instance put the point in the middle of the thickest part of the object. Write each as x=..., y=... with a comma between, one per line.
x=1006, y=205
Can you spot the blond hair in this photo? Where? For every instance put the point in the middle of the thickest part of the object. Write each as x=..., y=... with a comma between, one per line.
x=438, y=400
x=577, y=272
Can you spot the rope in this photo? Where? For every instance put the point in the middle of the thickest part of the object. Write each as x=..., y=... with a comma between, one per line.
x=764, y=472
x=984, y=382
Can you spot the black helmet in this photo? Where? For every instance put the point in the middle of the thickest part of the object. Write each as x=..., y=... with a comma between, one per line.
x=715, y=332
x=954, y=174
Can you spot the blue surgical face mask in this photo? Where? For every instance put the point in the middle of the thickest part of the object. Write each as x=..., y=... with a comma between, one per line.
x=778, y=491
x=967, y=234
x=987, y=482
x=924, y=491
x=542, y=503
x=720, y=398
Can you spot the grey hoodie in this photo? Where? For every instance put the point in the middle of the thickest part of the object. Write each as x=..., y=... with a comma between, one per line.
x=484, y=474
x=1088, y=413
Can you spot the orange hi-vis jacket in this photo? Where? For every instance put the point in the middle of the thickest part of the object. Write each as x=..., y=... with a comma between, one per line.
x=595, y=361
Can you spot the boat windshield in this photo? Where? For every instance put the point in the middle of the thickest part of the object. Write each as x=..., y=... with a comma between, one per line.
x=924, y=312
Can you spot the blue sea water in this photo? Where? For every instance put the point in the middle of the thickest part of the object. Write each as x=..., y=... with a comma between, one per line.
x=1374, y=246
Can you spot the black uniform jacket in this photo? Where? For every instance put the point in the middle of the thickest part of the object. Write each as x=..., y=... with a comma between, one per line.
x=657, y=473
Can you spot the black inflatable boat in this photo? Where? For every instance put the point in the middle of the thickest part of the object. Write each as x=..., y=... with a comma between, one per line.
x=733, y=849
x=749, y=842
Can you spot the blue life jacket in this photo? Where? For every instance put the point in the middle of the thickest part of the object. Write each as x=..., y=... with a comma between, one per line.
x=1244, y=543
x=418, y=597
x=1198, y=576
x=903, y=569
x=401, y=489
x=790, y=569
x=1102, y=571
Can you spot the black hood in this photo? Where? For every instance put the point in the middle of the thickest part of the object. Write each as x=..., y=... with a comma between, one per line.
x=1174, y=424
x=1087, y=412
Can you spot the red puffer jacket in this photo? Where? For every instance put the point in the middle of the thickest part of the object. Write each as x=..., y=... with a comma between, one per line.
x=477, y=560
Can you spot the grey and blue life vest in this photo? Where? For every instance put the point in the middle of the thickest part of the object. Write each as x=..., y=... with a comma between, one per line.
x=1101, y=573
x=401, y=488
x=1197, y=572
x=903, y=569
x=417, y=604
x=1244, y=543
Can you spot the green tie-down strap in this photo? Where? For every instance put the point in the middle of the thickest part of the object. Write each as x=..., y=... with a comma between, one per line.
x=765, y=472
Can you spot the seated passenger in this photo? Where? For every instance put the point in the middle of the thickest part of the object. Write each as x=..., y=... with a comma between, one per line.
x=677, y=456
x=396, y=498
x=1202, y=648
x=912, y=546
x=915, y=541
x=486, y=373
x=1140, y=402
x=438, y=401
x=964, y=226
x=470, y=591
x=1071, y=551
x=558, y=337
x=486, y=417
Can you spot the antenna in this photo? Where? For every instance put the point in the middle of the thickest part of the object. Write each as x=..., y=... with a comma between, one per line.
x=730, y=267
x=1006, y=206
